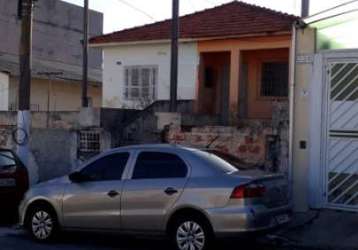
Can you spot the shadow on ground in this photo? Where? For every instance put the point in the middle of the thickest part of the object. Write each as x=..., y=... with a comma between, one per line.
x=81, y=241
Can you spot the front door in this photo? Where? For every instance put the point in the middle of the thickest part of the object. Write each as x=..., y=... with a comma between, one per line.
x=157, y=181
x=341, y=134
x=95, y=204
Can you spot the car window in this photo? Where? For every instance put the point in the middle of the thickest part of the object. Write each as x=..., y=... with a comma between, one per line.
x=156, y=165
x=108, y=168
x=215, y=161
x=233, y=160
x=7, y=159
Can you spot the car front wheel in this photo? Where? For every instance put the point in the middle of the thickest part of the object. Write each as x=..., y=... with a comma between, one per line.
x=191, y=234
x=42, y=223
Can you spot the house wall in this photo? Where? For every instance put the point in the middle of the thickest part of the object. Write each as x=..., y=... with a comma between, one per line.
x=118, y=57
x=236, y=46
x=4, y=91
x=60, y=95
x=259, y=107
x=305, y=49
x=210, y=97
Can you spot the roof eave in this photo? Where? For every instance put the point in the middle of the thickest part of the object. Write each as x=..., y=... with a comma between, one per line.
x=188, y=40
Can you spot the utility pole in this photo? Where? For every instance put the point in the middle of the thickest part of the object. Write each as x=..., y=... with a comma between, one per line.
x=174, y=58
x=305, y=7
x=25, y=9
x=25, y=55
x=85, y=55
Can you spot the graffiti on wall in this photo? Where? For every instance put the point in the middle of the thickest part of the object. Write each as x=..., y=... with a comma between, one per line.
x=252, y=145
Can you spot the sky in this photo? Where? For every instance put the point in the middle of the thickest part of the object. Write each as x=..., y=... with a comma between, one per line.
x=119, y=15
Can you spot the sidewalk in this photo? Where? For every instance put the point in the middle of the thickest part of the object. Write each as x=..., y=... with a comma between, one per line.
x=323, y=229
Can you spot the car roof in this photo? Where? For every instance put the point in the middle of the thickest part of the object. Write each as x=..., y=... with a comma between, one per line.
x=153, y=146
x=171, y=147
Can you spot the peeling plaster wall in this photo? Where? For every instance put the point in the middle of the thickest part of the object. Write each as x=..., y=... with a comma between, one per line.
x=5, y=137
x=262, y=142
x=246, y=143
x=54, y=141
x=4, y=91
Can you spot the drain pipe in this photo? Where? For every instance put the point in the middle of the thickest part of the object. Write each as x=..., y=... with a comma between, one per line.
x=293, y=55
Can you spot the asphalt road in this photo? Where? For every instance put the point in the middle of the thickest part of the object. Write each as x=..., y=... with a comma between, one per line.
x=12, y=239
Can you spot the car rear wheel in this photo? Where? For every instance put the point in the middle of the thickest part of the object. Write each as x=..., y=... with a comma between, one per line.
x=42, y=223
x=191, y=234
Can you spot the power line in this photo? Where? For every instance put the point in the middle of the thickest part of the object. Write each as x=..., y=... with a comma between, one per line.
x=137, y=9
x=335, y=7
x=209, y=2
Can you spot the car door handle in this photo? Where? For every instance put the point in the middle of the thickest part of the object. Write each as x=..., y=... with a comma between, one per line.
x=113, y=193
x=170, y=191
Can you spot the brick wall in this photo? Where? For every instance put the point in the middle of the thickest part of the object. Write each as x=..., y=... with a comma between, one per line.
x=262, y=142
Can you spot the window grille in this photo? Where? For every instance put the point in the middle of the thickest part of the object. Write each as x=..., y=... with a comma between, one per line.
x=141, y=83
x=89, y=142
x=274, y=79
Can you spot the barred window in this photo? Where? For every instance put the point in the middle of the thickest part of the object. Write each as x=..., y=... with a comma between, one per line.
x=141, y=82
x=89, y=142
x=274, y=79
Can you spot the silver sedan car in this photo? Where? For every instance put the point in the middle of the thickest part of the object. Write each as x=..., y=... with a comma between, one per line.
x=190, y=195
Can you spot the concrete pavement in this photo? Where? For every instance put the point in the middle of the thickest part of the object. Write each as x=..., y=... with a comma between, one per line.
x=323, y=229
x=12, y=239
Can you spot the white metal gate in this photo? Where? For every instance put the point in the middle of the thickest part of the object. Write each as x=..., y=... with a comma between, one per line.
x=341, y=134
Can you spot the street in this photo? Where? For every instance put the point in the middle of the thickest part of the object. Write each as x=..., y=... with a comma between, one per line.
x=13, y=239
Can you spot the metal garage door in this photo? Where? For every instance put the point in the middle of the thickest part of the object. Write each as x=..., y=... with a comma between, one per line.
x=341, y=157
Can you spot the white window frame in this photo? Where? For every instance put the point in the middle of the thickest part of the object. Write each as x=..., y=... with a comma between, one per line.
x=152, y=84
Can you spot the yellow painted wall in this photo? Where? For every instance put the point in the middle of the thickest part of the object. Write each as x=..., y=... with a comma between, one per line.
x=64, y=95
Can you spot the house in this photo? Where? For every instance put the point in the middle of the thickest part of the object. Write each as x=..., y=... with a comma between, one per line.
x=324, y=115
x=57, y=57
x=233, y=62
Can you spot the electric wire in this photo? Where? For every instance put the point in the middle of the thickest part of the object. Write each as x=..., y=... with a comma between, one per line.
x=137, y=9
x=333, y=8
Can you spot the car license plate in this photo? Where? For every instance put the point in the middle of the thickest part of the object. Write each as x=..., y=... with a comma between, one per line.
x=7, y=182
x=282, y=219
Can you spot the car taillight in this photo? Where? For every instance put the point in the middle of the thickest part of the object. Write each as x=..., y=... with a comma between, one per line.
x=248, y=191
x=11, y=169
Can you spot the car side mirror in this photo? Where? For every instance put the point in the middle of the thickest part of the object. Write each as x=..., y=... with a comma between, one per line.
x=78, y=177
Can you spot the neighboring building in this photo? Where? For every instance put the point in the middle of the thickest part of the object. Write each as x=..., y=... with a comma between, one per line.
x=57, y=35
x=325, y=111
x=233, y=61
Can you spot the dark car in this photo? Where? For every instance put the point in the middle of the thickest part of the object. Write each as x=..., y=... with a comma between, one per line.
x=14, y=182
